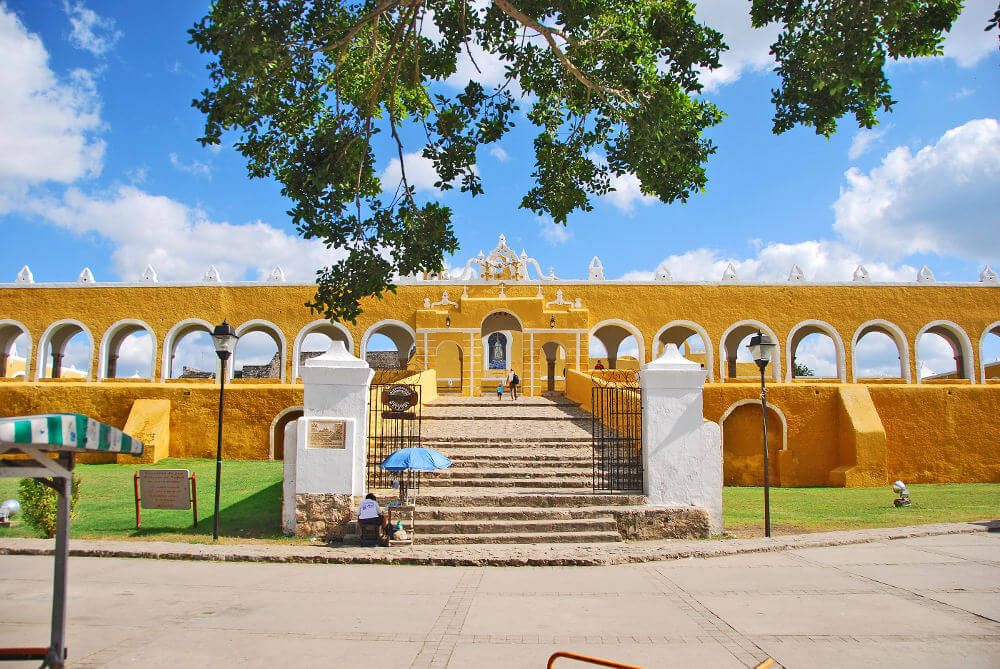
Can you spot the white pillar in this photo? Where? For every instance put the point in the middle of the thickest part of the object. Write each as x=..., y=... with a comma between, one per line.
x=682, y=453
x=325, y=452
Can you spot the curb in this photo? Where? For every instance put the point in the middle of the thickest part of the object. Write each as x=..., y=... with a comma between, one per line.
x=475, y=555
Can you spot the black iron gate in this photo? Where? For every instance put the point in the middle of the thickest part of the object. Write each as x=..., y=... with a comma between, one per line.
x=391, y=426
x=617, y=429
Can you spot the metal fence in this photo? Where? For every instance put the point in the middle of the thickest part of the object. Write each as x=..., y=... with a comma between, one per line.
x=390, y=430
x=617, y=428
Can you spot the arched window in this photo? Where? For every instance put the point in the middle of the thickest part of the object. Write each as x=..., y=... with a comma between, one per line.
x=691, y=340
x=735, y=361
x=128, y=350
x=815, y=350
x=65, y=351
x=388, y=344
x=315, y=339
x=943, y=352
x=15, y=349
x=880, y=351
x=989, y=353
x=614, y=341
x=260, y=352
x=188, y=351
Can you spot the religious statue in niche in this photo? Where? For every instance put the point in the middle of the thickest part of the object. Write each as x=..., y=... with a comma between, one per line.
x=496, y=346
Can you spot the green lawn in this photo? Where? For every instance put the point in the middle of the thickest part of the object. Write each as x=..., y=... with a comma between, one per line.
x=251, y=505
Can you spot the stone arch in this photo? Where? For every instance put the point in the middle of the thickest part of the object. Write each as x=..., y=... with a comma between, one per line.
x=401, y=334
x=742, y=456
x=894, y=333
x=112, y=340
x=550, y=354
x=335, y=331
x=10, y=331
x=174, y=335
x=276, y=435
x=677, y=332
x=53, y=343
x=960, y=344
x=268, y=328
x=449, y=365
x=803, y=330
x=991, y=329
x=730, y=342
x=502, y=325
x=613, y=329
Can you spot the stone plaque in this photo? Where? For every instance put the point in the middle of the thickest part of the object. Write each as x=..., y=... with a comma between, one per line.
x=326, y=434
x=165, y=488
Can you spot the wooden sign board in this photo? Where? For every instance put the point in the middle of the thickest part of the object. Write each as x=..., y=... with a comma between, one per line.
x=326, y=434
x=165, y=488
x=399, y=397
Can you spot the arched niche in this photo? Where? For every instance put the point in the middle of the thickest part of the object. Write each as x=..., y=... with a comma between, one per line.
x=729, y=348
x=52, y=349
x=333, y=331
x=553, y=374
x=893, y=332
x=399, y=333
x=611, y=333
x=986, y=369
x=679, y=332
x=10, y=332
x=813, y=327
x=266, y=328
x=959, y=342
x=742, y=448
x=175, y=335
x=501, y=340
x=109, y=352
x=276, y=449
x=448, y=363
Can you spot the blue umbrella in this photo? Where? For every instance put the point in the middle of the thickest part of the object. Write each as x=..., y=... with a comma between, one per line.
x=417, y=459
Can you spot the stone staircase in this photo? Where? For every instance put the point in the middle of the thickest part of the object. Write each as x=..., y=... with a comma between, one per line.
x=521, y=474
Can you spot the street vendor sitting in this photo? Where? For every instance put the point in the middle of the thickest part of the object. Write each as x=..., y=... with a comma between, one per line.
x=369, y=513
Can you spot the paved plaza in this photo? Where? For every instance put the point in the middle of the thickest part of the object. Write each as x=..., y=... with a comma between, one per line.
x=926, y=601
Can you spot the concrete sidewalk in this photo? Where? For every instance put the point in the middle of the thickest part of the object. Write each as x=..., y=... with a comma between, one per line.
x=932, y=600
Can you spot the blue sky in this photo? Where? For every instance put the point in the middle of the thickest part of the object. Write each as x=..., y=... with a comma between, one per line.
x=101, y=169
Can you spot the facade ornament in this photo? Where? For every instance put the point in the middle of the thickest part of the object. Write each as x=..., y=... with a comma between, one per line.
x=149, y=275
x=503, y=264
x=444, y=301
x=729, y=275
x=539, y=295
x=861, y=274
x=86, y=276
x=465, y=292
x=796, y=275
x=25, y=276
x=427, y=303
x=578, y=304
x=212, y=275
x=277, y=275
x=503, y=295
x=552, y=274
x=663, y=274
x=595, y=272
x=925, y=275
x=559, y=301
x=988, y=275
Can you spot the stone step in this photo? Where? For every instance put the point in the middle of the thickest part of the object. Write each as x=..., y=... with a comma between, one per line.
x=513, y=513
x=434, y=441
x=501, y=462
x=545, y=481
x=520, y=538
x=514, y=472
x=504, y=416
x=452, y=401
x=498, y=526
x=478, y=497
x=500, y=455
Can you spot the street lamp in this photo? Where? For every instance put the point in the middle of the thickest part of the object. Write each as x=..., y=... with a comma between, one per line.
x=224, y=337
x=762, y=350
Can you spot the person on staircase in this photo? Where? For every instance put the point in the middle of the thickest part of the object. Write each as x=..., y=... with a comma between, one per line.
x=513, y=381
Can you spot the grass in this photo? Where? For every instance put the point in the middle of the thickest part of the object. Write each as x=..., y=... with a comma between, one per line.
x=251, y=506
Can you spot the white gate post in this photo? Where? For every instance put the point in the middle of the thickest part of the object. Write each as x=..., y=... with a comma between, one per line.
x=325, y=450
x=681, y=452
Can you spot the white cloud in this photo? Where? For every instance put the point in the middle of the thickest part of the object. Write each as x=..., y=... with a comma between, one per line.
x=627, y=192
x=876, y=355
x=936, y=356
x=91, y=32
x=134, y=355
x=941, y=200
x=420, y=173
x=749, y=48
x=46, y=125
x=254, y=348
x=818, y=353
x=968, y=43
x=180, y=242
x=864, y=139
x=195, y=167
x=552, y=232
x=498, y=153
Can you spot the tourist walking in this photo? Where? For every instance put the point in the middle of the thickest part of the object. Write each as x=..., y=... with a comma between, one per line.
x=500, y=391
x=513, y=381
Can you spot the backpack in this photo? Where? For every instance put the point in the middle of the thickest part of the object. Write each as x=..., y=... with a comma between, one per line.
x=516, y=380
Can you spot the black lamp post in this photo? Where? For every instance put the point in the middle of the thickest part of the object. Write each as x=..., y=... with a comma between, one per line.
x=762, y=349
x=224, y=337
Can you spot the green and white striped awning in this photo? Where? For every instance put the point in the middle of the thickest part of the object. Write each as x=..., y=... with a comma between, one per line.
x=66, y=432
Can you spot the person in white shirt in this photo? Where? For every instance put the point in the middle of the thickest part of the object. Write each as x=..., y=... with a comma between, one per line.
x=369, y=513
x=512, y=382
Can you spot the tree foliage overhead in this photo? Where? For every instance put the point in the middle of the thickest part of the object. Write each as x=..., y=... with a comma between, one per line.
x=610, y=85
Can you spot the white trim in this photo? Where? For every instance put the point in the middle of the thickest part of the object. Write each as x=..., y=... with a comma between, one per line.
x=759, y=326
x=744, y=402
x=698, y=330
x=508, y=335
x=982, y=342
x=46, y=338
x=838, y=346
x=103, y=353
x=27, y=354
x=532, y=359
x=502, y=310
x=895, y=333
x=562, y=330
x=274, y=424
x=426, y=354
x=267, y=327
x=439, y=330
x=472, y=365
x=963, y=341
x=625, y=325
x=187, y=326
x=307, y=330
x=388, y=321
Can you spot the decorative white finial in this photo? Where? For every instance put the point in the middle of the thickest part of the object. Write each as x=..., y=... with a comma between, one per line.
x=149, y=275
x=552, y=273
x=86, y=276
x=796, y=275
x=578, y=303
x=663, y=274
x=465, y=291
x=988, y=275
x=503, y=241
x=595, y=272
x=503, y=295
x=212, y=275
x=427, y=303
x=925, y=275
x=25, y=276
x=524, y=254
x=729, y=275
x=861, y=274
x=277, y=275
x=539, y=293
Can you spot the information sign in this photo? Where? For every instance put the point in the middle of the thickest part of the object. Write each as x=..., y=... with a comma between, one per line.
x=165, y=489
x=326, y=434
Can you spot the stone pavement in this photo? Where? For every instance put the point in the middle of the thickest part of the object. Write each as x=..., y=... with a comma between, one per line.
x=931, y=600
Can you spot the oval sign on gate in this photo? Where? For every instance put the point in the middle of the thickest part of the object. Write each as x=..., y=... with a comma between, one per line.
x=399, y=397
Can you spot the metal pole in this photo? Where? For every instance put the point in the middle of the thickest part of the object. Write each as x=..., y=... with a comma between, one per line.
x=64, y=488
x=218, y=450
x=767, y=468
